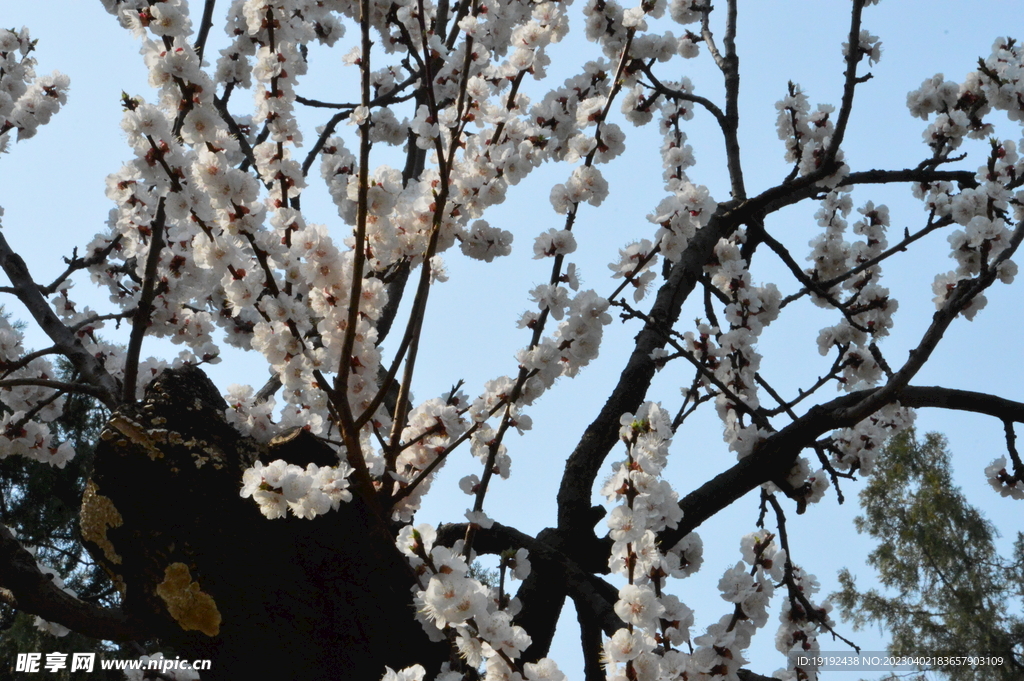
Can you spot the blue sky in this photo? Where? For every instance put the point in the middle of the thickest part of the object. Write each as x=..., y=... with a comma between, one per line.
x=51, y=188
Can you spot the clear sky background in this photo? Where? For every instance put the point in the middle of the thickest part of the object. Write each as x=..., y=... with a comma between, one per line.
x=52, y=189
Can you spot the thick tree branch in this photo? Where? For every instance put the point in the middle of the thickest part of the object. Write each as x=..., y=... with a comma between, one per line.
x=962, y=400
x=584, y=463
x=35, y=593
x=543, y=599
x=791, y=193
x=776, y=455
x=591, y=642
x=731, y=70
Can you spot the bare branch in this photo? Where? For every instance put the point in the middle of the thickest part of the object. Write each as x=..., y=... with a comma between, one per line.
x=205, y=24
x=25, y=360
x=391, y=97
x=144, y=311
x=1011, y=447
x=221, y=104
x=796, y=593
x=898, y=248
x=802, y=277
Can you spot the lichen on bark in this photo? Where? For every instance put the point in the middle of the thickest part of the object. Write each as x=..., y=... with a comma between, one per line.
x=190, y=607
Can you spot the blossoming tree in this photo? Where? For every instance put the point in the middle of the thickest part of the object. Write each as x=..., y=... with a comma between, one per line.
x=280, y=519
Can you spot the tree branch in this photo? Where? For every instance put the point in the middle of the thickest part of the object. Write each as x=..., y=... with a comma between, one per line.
x=776, y=455
x=852, y=59
x=144, y=311
x=584, y=463
x=205, y=24
x=966, y=291
x=75, y=263
x=587, y=590
x=90, y=368
x=83, y=388
x=34, y=592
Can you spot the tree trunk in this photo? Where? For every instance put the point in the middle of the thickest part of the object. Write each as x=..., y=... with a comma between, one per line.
x=327, y=598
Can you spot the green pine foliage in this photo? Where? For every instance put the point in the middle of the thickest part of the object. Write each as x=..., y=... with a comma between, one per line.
x=947, y=589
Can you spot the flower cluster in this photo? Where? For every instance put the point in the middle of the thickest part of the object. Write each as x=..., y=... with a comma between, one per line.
x=689, y=207
x=801, y=620
x=483, y=242
x=857, y=448
x=1007, y=485
x=807, y=133
x=960, y=111
x=433, y=426
x=749, y=585
x=307, y=493
x=26, y=102
x=248, y=415
x=868, y=45
x=636, y=263
x=477, y=619
x=657, y=622
x=574, y=344
x=749, y=310
x=413, y=673
x=982, y=212
x=676, y=154
x=31, y=405
x=846, y=276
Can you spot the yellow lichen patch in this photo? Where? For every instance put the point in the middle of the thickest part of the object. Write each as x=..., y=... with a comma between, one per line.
x=137, y=435
x=97, y=516
x=190, y=607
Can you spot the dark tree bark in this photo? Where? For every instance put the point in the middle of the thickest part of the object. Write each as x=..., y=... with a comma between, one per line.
x=205, y=572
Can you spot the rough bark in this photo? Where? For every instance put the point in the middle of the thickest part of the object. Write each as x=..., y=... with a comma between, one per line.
x=327, y=598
